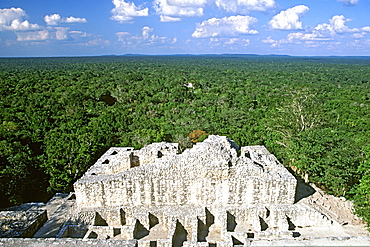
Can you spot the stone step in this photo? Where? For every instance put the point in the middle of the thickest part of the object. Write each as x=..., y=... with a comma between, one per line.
x=59, y=210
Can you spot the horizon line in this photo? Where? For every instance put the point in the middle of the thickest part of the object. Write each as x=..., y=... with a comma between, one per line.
x=190, y=54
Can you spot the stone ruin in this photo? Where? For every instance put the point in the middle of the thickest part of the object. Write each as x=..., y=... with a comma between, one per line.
x=213, y=194
x=21, y=222
x=210, y=195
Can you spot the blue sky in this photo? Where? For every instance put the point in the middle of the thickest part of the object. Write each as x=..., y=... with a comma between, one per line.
x=107, y=27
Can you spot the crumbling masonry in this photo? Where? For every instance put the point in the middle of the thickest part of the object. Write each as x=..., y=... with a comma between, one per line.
x=208, y=195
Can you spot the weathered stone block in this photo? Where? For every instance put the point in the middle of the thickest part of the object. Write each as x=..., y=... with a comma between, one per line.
x=21, y=223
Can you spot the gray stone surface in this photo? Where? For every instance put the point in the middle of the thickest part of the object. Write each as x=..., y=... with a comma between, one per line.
x=22, y=224
x=59, y=209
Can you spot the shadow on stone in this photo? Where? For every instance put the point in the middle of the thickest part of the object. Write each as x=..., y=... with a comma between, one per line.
x=93, y=235
x=236, y=241
x=140, y=231
x=290, y=223
x=203, y=231
x=231, y=222
x=210, y=218
x=153, y=220
x=303, y=190
x=180, y=235
x=122, y=217
x=99, y=221
x=264, y=225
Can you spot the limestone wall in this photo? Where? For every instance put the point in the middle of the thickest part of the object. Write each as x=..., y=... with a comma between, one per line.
x=195, y=224
x=211, y=173
x=161, y=191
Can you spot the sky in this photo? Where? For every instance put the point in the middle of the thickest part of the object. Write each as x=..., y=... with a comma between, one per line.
x=162, y=27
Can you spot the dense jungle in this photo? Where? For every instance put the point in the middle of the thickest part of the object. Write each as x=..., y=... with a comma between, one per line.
x=58, y=115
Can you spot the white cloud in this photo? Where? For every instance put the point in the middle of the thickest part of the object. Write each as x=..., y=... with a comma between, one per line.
x=269, y=40
x=77, y=35
x=61, y=33
x=349, y=2
x=72, y=19
x=55, y=19
x=361, y=33
x=57, y=33
x=12, y=19
x=227, y=26
x=17, y=25
x=126, y=11
x=310, y=36
x=52, y=20
x=164, y=18
x=358, y=35
x=278, y=43
x=325, y=31
x=246, y=42
x=258, y=5
x=146, y=38
x=322, y=32
x=338, y=22
x=366, y=29
x=96, y=42
x=171, y=10
x=146, y=31
x=121, y=35
x=231, y=41
x=289, y=19
x=33, y=36
x=230, y=6
x=8, y=15
x=236, y=41
x=225, y=43
x=187, y=3
x=85, y=39
x=243, y=6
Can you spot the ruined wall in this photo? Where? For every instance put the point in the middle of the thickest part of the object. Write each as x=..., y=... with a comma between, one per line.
x=161, y=191
x=210, y=173
x=196, y=224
